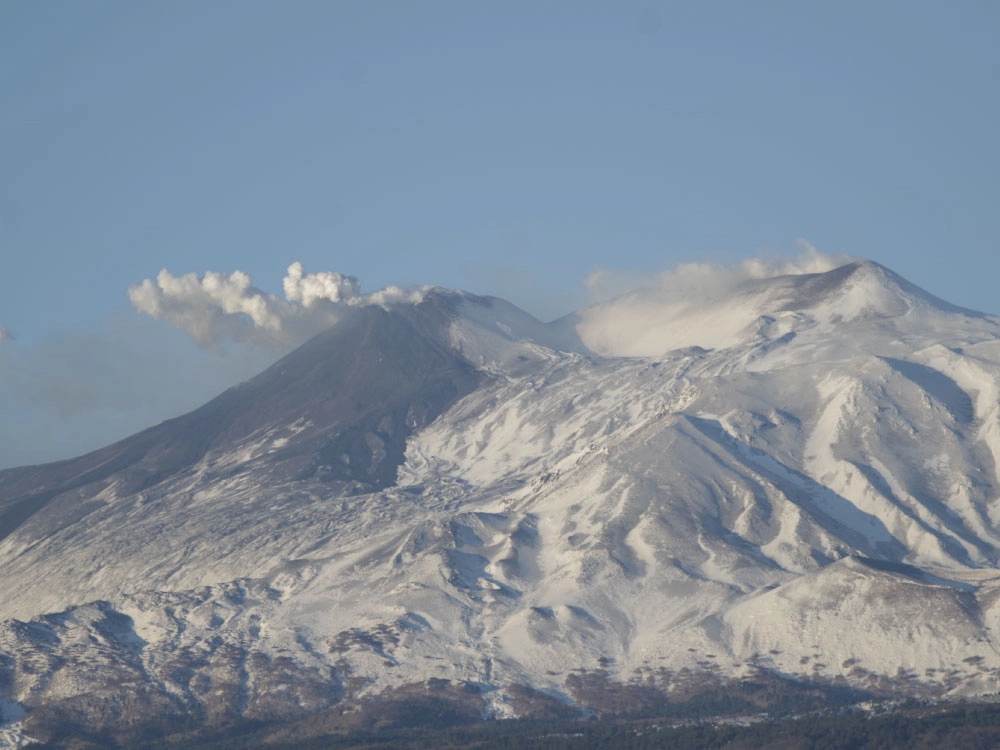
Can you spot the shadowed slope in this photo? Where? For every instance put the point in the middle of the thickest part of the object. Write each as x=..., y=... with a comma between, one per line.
x=345, y=402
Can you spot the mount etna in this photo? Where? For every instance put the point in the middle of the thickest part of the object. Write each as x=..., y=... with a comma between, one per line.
x=795, y=480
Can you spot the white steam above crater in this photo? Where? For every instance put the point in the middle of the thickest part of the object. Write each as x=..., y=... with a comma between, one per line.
x=216, y=307
x=692, y=304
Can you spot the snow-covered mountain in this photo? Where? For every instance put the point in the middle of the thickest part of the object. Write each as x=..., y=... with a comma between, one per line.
x=800, y=475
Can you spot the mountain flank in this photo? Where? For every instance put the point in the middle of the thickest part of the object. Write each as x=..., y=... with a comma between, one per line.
x=793, y=482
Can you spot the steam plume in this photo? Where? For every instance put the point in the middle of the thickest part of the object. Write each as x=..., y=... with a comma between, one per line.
x=214, y=308
x=325, y=285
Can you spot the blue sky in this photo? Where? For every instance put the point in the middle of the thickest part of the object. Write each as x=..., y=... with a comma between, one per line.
x=504, y=148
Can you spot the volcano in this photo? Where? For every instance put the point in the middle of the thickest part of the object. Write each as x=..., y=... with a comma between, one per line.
x=798, y=476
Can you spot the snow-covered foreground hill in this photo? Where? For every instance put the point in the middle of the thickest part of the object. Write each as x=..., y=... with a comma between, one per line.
x=800, y=477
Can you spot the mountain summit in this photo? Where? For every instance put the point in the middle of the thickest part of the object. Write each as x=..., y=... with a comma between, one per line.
x=652, y=321
x=795, y=474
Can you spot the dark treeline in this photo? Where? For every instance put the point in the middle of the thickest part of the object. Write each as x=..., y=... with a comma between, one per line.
x=963, y=726
x=764, y=710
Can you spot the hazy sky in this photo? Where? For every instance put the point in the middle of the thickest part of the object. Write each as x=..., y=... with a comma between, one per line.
x=504, y=148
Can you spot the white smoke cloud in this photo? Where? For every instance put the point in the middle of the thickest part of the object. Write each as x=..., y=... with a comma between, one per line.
x=215, y=308
x=325, y=285
x=708, y=281
x=5, y=334
x=394, y=295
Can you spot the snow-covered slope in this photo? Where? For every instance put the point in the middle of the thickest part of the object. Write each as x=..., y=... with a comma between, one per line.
x=801, y=476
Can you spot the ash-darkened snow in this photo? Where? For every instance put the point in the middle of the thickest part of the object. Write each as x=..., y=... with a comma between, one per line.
x=801, y=471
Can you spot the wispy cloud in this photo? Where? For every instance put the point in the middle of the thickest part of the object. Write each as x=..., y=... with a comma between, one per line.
x=73, y=391
x=683, y=306
x=708, y=281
